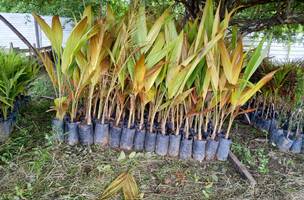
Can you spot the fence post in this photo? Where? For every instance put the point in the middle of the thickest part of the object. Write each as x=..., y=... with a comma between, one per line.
x=11, y=48
x=37, y=35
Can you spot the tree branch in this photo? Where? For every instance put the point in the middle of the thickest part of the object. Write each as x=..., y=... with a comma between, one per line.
x=271, y=13
x=21, y=37
x=249, y=26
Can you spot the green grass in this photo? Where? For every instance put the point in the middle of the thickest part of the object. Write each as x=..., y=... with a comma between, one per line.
x=32, y=167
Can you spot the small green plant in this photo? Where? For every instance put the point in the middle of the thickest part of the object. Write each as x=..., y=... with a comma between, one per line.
x=207, y=190
x=244, y=153
x=23, y=193
x=208, y=186
x=42, y=156
x=131, y=160
x=287, y=162
x=258, y=159
x=17, y=72
x=14, y=147
x=263, y=161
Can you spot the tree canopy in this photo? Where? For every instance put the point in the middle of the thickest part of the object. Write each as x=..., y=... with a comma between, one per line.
x=283, y=18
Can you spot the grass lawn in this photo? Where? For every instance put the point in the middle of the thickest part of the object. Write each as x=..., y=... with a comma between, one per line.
x=32, y=167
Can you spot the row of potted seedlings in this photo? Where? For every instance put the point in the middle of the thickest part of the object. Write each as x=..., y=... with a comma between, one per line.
x=129, y=78
x=16, y=74
x=279, y=108
x=288, y=138
x=7, y=123
x=185, y=145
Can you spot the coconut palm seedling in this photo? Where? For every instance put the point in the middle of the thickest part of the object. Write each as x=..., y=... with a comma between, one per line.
x=92, y=69
x=59, y=68
x=237, y=73
x=17, y=72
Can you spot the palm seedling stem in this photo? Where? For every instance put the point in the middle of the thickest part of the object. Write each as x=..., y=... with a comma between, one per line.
x=181, y=117
x=206, y=122
x=191, y=122
x=101, y=97
x=163, y=124
x=214, y=129
x=152, y=122
x=73, y=110
x=105, y=107
x=132, y=111
x=199, y=128
x=187, y=128
x=5, y=113
x=165, y=115
x=154, y=107
x=196, y=118
x=172, y=118
x=89, y=105
x=106, y=110
x=137, y=113
x=159, y=116
x=187, y=122
x=177, y=120
x=216, y=122
x=229, y=125
x=95, y=105
x=110, y=111
x=150, y=111
x=221, y=120
x=298, y=128
x=100, y=106
x=142, y=114
x=58, y=72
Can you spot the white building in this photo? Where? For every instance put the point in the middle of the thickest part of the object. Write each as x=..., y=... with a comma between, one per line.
x=24, y=23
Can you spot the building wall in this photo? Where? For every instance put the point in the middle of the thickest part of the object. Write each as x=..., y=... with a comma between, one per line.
x=279, y=51
x=24, y=23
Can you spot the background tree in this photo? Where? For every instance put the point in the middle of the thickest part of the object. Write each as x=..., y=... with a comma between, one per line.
x=283, y=18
